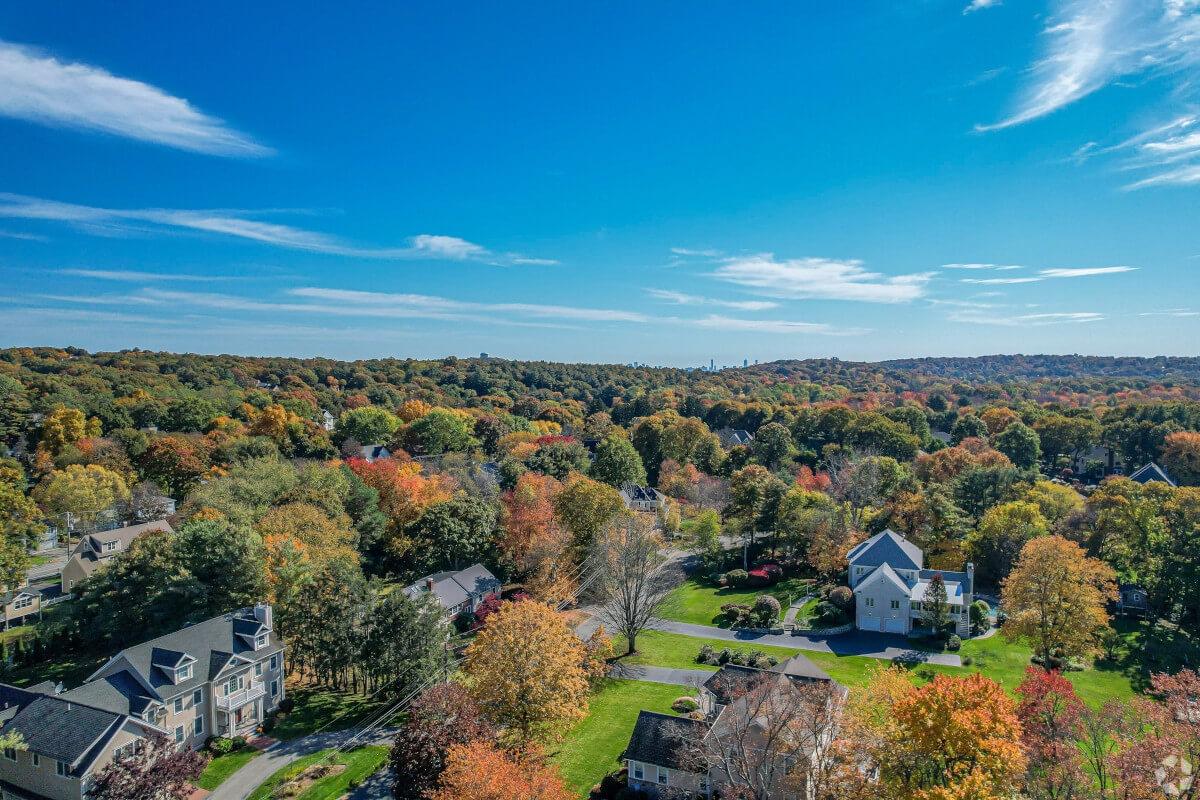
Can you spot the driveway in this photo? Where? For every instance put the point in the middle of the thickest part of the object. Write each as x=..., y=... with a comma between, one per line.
x=856, y=643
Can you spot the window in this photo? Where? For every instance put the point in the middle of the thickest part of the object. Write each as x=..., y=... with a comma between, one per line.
x=258, y=670
x=35, y=759
x=198, y=726
x=869, y=602
x=198, y=698
x=183, y=673
x=10, y=753
x=108, y=547
x=234, y=684
x=638, y=772
x=274, y=688
x=178, y=734
x=179, y=704
x=895, y=604
x=916, y=606
x=274, y=663
x=24, y=601
x=261, y=641
x=663, y=776
x=60, y=769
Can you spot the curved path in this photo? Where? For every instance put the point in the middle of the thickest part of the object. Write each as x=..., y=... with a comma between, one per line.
x=855, y=643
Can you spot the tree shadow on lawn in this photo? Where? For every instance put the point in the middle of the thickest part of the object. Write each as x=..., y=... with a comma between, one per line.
x=1147, y=647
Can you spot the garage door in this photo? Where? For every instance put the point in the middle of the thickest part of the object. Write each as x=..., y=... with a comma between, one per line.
x=895, y=626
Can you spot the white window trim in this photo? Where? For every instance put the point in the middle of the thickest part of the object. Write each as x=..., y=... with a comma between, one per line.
x=60, y=769
x=12, y=751
x=178, y=705
x=198, y=726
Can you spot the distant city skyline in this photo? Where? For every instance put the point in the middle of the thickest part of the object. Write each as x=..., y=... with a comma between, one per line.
x=674, y=184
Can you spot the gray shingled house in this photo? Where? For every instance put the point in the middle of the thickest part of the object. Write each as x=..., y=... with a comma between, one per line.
x=220, y=677
x=95, y=549
x=457, y=592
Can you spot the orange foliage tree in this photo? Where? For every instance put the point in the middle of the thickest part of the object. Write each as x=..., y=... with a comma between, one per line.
x=482, y=771
x=1181, y=457
x=534, y=540
x=404, y=493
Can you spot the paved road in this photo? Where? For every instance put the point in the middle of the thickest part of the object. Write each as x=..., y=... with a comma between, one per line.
x=675, y=677
x=242, y=783
x=376, y=787
x=855, y=643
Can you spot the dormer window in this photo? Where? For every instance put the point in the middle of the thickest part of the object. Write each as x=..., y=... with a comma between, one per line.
x=109, y=547
x=183, y=673
x=261, y=641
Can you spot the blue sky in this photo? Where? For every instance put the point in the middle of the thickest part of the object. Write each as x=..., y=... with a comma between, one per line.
x=663, y=183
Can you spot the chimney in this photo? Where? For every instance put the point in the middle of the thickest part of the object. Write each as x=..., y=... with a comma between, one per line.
x=971, y=577
x=262, y=613
x=429, y=584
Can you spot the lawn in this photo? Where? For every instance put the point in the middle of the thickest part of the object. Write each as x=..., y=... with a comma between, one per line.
x=323, y=709
x=700, y=603
x=221, y=767
x=995, y=657
x=360, y=763
x=590, y=750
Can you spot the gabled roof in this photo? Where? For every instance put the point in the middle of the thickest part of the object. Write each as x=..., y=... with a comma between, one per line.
x=887, y=547
x=732, y=680
x=54, y=727
x=665, y=741
x=883, y=573
x=1152, y=472
x=801, y=667
x=372, y=452
x=452, y=589
x=641, y=494
x=85, y=552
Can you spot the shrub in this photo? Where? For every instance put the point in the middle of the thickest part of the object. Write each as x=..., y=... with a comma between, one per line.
x=736, y=578
x=954, y=642
x=220, y=745
x=706, y=653
x=757, y=578
x=239, y=742
x=766, y=611
x=1001, y=617
x=724, y=656
x=696, y=715
x=967, y=661
x=685, y=705
x=740, y=658
x=842, y=597
x=736, y=614
x=829, y=615
x=774, y=572
x=286, y=705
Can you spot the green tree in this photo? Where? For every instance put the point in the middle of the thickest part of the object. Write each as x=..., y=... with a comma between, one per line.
x=441, y=431
x=226, y=564
x=403, y=645
x=367, y=425
x=968, y=426
x=1003, y=531
x=559, y=458
x=586, y=508
x=703, y=536
x=935, y=610
x=191, y=414
x=1062, y=435
x=874, y=433
x=1021, y=444
x=618, y=463
x=773, y=445
x=454, y=534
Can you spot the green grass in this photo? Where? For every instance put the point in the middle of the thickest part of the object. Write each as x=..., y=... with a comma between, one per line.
x=590, y=750
x=360, y=763
x=996, y=657
x=221, y=767
x=37, y=561
x=17, y=632
x=700, y=603
x=315, y=709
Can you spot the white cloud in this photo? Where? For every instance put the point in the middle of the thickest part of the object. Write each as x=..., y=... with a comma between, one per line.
x=1092, y=43
x=135, y=276
x=820, y=278
x=240, y=224
x=684, y=299
x=1025, y=320
x=996, y=267
x=40, y=88
x=775, y=326
x=359, y=300
x=28, y=237
x=979, y=5
x=702, y=253
x=1171, y=312
x=1047, y=274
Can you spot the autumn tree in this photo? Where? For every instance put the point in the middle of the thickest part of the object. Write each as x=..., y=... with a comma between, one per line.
x=1051, y=723
x=631, y=584
x=82, y=492
x=532, y=538
x=175, y=463
x=405, y=493
x=440, y=718
x=525, y=670
x=1181, y=457
x=586, y=507
x=157, y=770
x=481, y=771
x=1004, y=530
x=1056, y=598
x=618, y=463
x=66, y=426
x=20, y=527
x=367, y=425
x=954, y=739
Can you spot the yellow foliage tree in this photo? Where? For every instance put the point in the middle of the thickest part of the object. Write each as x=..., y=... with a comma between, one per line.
x=300, y=532
x=1056, y=597
x=65, y=426
x=526, y=671
x=482, y=771
x=81, y=491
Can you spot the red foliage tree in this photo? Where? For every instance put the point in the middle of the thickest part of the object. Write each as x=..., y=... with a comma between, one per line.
x=1051, y=716
x=442, y=717
x=156, y=771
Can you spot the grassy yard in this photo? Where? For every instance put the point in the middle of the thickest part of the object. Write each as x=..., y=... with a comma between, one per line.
x=590, y=749
x=699, y=603
x=221, y=767
x=317, y=708
x=996, y=658
x=360, y=763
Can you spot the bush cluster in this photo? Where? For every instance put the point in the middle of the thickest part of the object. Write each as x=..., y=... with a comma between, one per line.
x=754, y=658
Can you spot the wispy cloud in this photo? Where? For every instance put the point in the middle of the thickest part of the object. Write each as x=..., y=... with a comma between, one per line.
x=979, y=5
x=354, y=299
x=1050, y=274
x=134, y=276
x=40, y=88
x=684, y=299
x=775, y=326
x=1091, y=43
x=974, y=266
x=696, y=253
x=1171, y=312
x=1025, y=320
x=820, y=278
x=242, y=224
x=29, y=237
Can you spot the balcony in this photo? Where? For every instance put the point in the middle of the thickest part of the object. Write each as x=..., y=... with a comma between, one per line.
x=254, y=690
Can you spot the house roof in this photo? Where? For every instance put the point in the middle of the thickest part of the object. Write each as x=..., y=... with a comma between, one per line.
x=373, y=451
x=1151, y=472
x=57, y=728
x=665, y=741
x=887, y=547
x=85, y=552
x=883, y=573
x=641, y=494
x=452, y=589
x=734, y=679
x=802, y=667
x=134, y=678
x=954, y=590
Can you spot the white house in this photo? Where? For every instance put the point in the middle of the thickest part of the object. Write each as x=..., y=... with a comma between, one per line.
x=889, y=581
x=642, y=498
